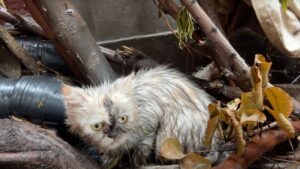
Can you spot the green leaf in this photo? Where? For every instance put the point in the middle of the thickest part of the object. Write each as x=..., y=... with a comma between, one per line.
x=285, y=4
x=185, y=27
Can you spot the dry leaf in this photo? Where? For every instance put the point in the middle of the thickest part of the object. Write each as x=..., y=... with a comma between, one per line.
x=195, y=161
x=17, y=118
x=220, y=131
x=2, y=3
x=280, y=100
x=251, y=126
x=251, y=116
x=248, y=111
x=210, y=130
x=282, y=121
x=264, y=68
x=171, y=149
x=257, y=91
x=239, y=135
x=234, y=104
x=214, y=109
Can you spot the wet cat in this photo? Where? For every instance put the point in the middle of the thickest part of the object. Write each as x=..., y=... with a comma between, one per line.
x=138, y=112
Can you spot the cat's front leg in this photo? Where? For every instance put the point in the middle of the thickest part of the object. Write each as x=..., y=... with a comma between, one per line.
x=109, y=160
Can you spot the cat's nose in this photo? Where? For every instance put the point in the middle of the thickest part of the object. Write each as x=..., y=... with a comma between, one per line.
x=112, y=134
x=106, y=128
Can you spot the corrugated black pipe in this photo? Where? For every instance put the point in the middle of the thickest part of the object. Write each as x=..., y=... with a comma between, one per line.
x=36, y=98
x=45, y=52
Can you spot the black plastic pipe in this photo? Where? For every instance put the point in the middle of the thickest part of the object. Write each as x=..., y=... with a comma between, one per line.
x=45, y=52
x=36, y=98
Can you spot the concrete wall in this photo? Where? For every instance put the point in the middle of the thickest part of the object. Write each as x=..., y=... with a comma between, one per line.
x=135, y=23
x=113, y=19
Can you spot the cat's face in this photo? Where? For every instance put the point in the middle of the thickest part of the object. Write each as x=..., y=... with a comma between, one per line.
x=106, y=122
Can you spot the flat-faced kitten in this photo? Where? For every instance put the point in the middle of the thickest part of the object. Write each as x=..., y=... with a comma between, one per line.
x=138, y=112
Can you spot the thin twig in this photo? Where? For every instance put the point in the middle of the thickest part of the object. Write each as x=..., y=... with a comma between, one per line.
x=295, y=80
x=264, y=128
x=223, y=54
x=18, y=51
x=26, y=23
x=273, y=161
x=292, y=147
x=284, y=160
x=256, y=147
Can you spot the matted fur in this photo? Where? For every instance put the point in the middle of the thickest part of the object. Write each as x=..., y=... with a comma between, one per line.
x=160, y=103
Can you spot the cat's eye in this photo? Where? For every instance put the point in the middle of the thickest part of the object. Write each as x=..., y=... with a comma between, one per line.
x=97, y=126
x=123, y=119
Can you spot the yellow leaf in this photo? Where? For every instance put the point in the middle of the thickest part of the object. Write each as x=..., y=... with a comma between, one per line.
x=251, y=116
x=282, y=121
x=2, y=3
x=239, y=135
x=228, y=131
x=171, y=149
x=18, y=119
x=280, y=100
x=264, y=68
x=251, y=108
x=214, y=109
x=246, y=102
x=257, y=91
x=223, y=116
x=210, y=130
x=240, y=140
x=259, y=58
x=251, y=126
x=220, y=131
x=195, y=161
x=249, y=111
x=233, y=104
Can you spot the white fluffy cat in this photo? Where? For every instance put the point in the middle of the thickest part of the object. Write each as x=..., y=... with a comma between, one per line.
x=139, y=112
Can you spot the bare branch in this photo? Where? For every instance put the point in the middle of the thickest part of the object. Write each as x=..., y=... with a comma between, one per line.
x=18, y=51
x=69, y=33
x=256, y=147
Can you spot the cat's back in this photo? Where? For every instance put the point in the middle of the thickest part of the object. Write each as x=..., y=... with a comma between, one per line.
x=166, y=83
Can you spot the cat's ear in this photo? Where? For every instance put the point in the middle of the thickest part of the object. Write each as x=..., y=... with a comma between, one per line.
x=75, y=99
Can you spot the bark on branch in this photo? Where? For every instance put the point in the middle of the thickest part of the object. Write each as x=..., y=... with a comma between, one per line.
x=256, y=147
x=129, y=56
x=26, y=23
x=69, y=33
x=7, y=16
x=169, y=7
x=18, y=51
x=223, y=54
x=24, y=145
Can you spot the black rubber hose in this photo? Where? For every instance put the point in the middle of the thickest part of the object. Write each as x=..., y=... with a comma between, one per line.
x=36, y=98
x=45, y=52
